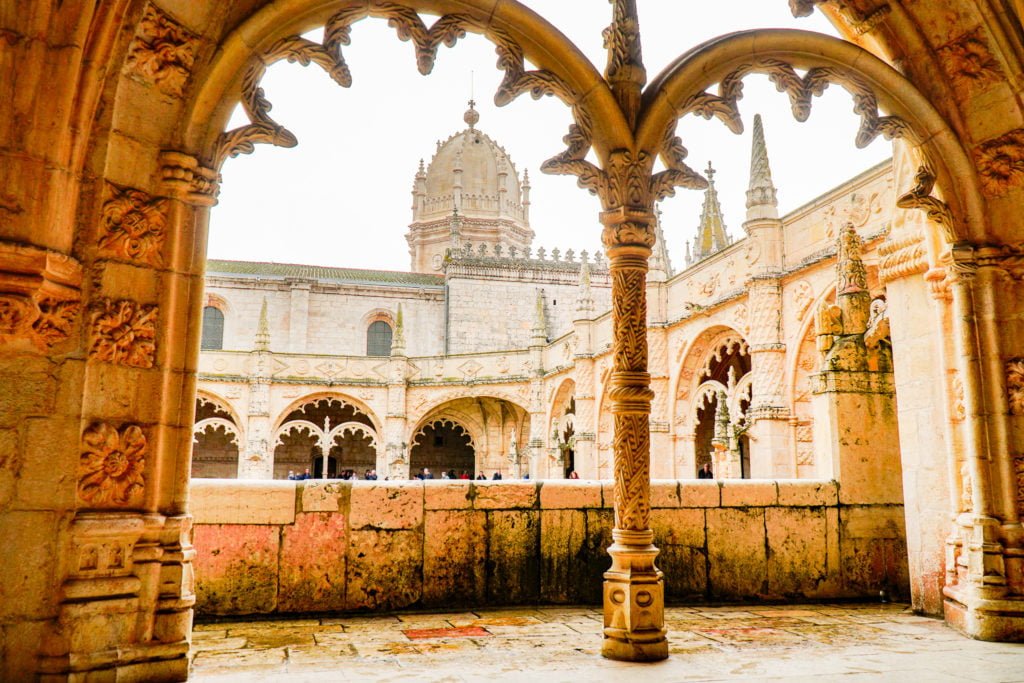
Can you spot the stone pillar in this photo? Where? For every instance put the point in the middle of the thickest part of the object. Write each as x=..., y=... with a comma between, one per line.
x=770, y=442
x=298, y=316
x=634, y=625
x=394, y=461
x=257, y=462
x=854, y=401
x=980, y=600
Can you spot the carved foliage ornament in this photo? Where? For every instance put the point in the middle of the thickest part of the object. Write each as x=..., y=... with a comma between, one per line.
x=969, y=62
x=1001, y=163
x=162, y=52
x=1015, y=385
x=111, y=466
x=39, y=296
x=133, y=226
x=124, y=333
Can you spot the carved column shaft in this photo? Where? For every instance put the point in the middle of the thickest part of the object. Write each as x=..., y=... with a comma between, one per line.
x=988, y=316
x=634, y=602
x=974, y=425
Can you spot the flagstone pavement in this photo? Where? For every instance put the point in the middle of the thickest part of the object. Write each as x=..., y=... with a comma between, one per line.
x=847, y=642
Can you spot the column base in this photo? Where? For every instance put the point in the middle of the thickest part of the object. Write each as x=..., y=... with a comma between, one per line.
x=634, y=601
x=998, y=620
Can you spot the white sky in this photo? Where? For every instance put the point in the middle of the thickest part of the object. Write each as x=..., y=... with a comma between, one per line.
x=342, y=196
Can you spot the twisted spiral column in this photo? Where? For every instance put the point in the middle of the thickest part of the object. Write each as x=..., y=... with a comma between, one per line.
x=634, y=595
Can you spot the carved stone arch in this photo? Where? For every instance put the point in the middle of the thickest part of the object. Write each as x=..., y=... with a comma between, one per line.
x=417, y=415
x=694, y=358
x=357, y=404
x=219, y=424
x=274, y=33
x=219, y=404
x=219, y=302
x=378, y=315
x=445, y=420
x=805, y=329
x=563, y=395
x=354, y=428
x=681, y=89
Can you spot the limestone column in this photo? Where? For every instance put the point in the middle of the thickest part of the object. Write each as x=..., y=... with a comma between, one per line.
x=257, y=462
x=538, y=428
x=771, y=438
x=298, y=317
x=978, y=600
x=854, y=400
x=394, y=461
x=633, y=589
x=583, y=362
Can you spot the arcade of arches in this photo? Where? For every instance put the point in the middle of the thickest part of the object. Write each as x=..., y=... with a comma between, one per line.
x=111, y=136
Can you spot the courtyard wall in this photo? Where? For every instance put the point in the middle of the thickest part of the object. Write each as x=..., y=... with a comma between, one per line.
x=285, y=547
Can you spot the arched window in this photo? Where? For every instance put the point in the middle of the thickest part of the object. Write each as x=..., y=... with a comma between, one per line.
x=378, y=339
x=213, y=329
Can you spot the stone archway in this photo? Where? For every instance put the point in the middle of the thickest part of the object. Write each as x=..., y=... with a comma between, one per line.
x=218, y=439
x=125, y=125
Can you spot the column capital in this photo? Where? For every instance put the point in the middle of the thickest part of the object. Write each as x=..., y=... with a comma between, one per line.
x=182, y=177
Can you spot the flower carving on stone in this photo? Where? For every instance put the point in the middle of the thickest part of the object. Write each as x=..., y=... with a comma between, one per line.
x=124, y=332
x=803, y=296
x=1015, y=385
x=111, y=466
x=134, y=226
x=16, y=314
x=56, y=318
x=162, y=52
x=1001, y=162
x=970, y=63
x=959, y=409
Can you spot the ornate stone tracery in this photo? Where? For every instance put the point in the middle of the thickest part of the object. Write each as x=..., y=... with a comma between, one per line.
x=133, y=226
x=40, y=296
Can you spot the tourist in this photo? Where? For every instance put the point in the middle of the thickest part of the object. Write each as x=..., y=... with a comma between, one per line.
x=497, y=475
x=305, y=475
x=574, y=475
x=705, y=472
x=481, y=476
x=291, y=475
x=427, y=474
x=464, y=475
x=371, y=475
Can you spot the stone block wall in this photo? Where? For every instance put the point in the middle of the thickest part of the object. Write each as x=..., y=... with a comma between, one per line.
x=295, y=547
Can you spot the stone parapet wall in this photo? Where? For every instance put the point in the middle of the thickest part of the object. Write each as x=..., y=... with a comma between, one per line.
x=295, y=547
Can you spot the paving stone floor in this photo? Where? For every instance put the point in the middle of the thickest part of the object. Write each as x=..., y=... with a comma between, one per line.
x=849, y=642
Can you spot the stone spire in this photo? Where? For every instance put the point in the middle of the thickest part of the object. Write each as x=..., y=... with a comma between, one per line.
x=539, y=335
x=526, y=194
x=761, y=200
x=263, y=330
x=584, y=297
x=659, y=264
x=711, y=234
x=398, y=340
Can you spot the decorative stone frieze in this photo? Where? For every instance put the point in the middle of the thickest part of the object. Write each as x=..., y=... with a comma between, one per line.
x=162, y=52
x=133, y=226
x=123, y=332
x=111, y=469
x=1001, y=163
x=970, y=63
x=902, y=257
x=40, y=296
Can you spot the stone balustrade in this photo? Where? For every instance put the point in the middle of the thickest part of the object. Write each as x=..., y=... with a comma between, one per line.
x=290, y=547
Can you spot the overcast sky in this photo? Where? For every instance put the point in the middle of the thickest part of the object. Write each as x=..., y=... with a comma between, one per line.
x=342, y=196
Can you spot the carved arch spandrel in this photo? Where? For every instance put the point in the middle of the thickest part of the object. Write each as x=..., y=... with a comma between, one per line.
x=683, y=88
x=519, y=34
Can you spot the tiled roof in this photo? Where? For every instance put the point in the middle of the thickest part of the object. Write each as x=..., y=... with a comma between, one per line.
x=259, y=269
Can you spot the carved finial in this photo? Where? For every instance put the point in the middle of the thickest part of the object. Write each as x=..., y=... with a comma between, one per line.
x=712, y=235
x=584, y=297
x=540, y=323
x=625, y=72
x=721, y=420
x=761, y=199
x=556, y=255
x=472, y=116
x=398, y=340
x=850, y=272
x=526, y=177
x=422, y=169
x=263, y=330
x=542, y=253
x=659, y=263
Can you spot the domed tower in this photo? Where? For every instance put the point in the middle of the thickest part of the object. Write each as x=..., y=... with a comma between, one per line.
x=469, y=193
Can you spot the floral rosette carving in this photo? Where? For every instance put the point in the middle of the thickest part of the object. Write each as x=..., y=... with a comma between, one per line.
x=111, y=466
x=124, y=332
x=134, y=226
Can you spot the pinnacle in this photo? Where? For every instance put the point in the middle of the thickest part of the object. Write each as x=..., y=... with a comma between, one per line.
x=761, y=192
